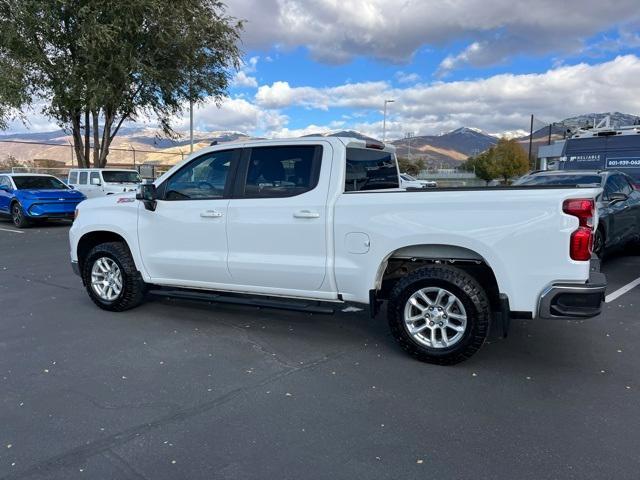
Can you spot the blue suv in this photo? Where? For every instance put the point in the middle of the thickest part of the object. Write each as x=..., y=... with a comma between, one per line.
x=26, y=197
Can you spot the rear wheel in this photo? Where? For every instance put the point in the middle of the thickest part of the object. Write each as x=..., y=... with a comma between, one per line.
x=111, y=278
x=598, y=243
x=17, y=215
x=439, y=314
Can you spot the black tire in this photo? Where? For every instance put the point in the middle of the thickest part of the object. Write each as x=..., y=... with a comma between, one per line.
x=18, y=217
x=134, y=288
x=466, y=289
x=598, y=243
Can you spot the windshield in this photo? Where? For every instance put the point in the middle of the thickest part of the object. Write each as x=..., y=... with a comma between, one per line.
x=122, y=176
x=560, y=179
x=38, y=183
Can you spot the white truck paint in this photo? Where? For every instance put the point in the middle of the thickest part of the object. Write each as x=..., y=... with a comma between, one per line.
x=331, y=245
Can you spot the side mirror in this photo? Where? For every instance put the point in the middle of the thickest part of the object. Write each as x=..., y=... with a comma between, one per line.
x=148, y=194
x=96, y=181
x=617, y=197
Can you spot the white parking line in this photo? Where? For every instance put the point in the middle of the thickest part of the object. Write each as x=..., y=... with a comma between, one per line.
x=622, y=290
x=9, y=230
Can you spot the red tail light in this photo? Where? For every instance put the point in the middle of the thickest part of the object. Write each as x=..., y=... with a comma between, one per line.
x=581, y=244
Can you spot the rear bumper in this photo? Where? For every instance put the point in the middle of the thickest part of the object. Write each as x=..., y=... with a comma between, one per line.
x=575, y=301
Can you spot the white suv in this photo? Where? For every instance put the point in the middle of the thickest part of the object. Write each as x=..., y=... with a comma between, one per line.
x=97, y=182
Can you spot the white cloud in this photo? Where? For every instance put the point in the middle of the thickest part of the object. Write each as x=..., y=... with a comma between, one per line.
x=405, y=77
x=233, y=114
x=241, y=79
x=336, y=31
x=499, y=103
x=353, y=95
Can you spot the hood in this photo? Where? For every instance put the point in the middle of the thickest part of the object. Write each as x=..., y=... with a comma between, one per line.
x=53, y=193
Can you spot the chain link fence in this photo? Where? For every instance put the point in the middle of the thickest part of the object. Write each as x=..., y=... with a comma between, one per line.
x=58, y=158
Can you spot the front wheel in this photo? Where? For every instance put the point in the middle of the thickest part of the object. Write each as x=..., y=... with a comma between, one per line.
x=111, y=278
x=439, y=314
x=18, y=216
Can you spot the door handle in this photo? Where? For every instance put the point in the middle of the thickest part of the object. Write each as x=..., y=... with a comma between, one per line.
x=211, y=214
x=306, y=214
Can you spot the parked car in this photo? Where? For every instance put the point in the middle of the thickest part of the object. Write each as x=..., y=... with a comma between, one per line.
x=325, y=219
x=407, y=181
x=618, y=204
x=97, y=182
x=27, y=197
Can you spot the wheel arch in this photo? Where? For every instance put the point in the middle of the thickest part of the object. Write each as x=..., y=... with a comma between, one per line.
x=404, y=260
x=91, y=239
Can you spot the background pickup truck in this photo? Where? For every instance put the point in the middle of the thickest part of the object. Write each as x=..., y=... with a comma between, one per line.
x=325, y=219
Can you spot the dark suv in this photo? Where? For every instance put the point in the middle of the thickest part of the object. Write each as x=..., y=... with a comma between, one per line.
x=618, y=205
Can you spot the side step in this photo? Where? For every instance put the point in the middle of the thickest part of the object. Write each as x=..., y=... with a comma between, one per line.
x=236, y=299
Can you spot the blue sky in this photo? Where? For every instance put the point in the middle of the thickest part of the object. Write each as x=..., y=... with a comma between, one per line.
x=320, y=65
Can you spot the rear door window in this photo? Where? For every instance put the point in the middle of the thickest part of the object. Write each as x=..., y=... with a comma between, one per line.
x=82, y=179
x=73, y=178
x=283, y=171
x=369, y=169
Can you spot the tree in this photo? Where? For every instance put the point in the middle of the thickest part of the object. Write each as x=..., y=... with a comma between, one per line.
x=99, y=63
x=412, y=167
x=482, y=165
x=509, y=159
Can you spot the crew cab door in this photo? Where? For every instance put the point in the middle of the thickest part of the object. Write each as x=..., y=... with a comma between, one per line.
x=184, y=241
x=277, y=225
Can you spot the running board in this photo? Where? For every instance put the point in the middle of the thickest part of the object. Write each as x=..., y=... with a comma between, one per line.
x=268, y=302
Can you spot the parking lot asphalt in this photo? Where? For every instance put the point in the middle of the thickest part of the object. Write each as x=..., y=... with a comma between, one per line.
x=181, y=389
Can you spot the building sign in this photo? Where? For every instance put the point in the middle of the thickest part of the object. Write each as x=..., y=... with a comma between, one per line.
x=591, y=157
x=623, y=162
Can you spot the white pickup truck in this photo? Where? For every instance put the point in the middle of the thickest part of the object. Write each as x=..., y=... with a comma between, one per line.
x=325, y=219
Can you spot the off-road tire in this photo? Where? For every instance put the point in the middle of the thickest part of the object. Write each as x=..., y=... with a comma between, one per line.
x=134, y=289
x=462, y=285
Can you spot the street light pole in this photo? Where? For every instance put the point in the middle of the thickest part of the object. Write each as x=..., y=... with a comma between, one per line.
x=384, y=120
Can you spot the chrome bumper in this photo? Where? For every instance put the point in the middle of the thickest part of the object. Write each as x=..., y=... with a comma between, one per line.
x=570, y=301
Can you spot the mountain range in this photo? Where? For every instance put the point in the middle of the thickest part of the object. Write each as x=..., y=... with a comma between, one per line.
x=445, y=150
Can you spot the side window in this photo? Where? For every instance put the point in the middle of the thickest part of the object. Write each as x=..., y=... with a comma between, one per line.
x=73, y=178
x=369, y=169
x=203, y=178
x=616, y=184
x=625, y=186
x=82, y=179
x=283, y=171
x=4, y=181
x=94, y=178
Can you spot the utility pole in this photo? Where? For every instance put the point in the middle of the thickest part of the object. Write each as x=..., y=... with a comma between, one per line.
x=408, y=136
x=384, y=120
x=531, y=139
